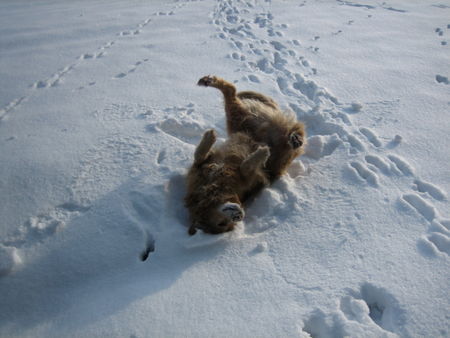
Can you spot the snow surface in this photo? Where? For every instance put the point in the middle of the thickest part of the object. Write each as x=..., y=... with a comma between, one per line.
x=99, y=118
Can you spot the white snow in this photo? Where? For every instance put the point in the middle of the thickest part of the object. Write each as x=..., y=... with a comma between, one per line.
x=99, y=119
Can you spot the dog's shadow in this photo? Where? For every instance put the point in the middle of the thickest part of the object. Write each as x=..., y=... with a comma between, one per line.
x=96, y=266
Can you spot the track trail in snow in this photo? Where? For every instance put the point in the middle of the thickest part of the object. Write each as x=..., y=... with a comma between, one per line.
x=368, y=309
x=263, y=53
x=57, y=78
x=442, y=34
x=114, y=157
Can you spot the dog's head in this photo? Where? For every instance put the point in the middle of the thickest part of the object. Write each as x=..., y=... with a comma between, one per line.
x=213, y=209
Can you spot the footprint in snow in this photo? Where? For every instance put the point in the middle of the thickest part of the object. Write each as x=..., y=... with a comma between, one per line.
x=329, y=135
x=371, y=137
x=363, y=173
x=438, y=239
x=384, y=309
x=370, y=311
x=183, y=128
x=39, y=228
x=131, y=70
x=442, y=79
x=417, y=200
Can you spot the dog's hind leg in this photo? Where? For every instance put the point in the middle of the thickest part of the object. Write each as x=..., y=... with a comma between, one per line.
x=255, y=160
x=205, y=145
x=234, y=109
x=227, y=88
x=250, y=95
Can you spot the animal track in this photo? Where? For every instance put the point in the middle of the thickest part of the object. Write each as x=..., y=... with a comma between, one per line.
x=364, y=173
x=371, y=136
x=42, y=226
x=10, y=106
x=440, y=241
x=253, y=78
x=424, y=208
x=369, y=312
x=431, y=189
x=161, y=156
x=123, y=112
x=442, y=79
x=186, y=130
x=130, y=32
x=394, y=165
x=58, y=77
x=103, y=166
x=384, y=308
x=355, y=142
x=439, y=31
x=55, y=79
x=404, y=167
x=260, y=48
x=378, y=162
x=439, y=237
x=131, y=70
x=352, y=4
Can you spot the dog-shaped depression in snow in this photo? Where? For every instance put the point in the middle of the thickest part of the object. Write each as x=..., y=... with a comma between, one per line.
x=262, y=143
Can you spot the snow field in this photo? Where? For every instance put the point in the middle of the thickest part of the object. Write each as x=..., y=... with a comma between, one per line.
x=353, y=241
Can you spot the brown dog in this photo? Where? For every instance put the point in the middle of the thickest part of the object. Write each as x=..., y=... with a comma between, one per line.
x=263, y=142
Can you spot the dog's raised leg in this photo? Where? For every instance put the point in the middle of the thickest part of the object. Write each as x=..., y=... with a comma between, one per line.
x=205, y=145
x=250, y=95
x=255, y=160
x=228, y=89
x=234, y=109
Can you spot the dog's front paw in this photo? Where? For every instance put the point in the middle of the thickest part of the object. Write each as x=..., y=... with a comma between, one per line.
x=206, y=81
x=233, y=211
x=210, y=136
x=295, y=140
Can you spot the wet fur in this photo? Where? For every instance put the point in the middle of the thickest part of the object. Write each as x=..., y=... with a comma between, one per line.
x=253, y=121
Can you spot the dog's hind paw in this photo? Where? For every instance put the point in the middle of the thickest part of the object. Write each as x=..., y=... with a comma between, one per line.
x=206, y=81
x=233, y=211
x=295, y=140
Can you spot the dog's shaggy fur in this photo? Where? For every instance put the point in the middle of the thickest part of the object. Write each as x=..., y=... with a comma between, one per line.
x=263, y=142
x=221, y=179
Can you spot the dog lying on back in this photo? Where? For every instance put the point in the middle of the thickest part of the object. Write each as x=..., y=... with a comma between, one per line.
x=263, y=142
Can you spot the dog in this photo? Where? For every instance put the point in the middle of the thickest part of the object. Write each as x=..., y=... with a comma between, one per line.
x=263, y=141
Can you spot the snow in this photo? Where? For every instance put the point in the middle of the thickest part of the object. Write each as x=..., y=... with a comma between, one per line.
x=99, y=119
